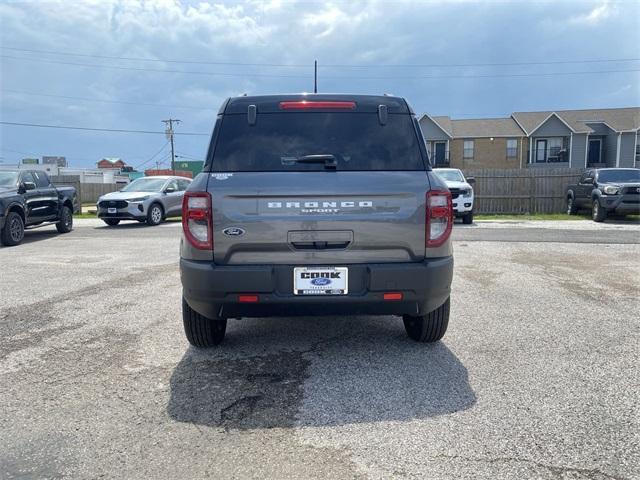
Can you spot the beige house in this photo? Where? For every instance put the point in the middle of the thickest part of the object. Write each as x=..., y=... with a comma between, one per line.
x=568, y=138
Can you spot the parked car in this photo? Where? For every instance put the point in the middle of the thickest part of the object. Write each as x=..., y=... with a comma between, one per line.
x=316, y=205
x=28, y=199
x=606, y=191
x=461, y=193
x=147, y=199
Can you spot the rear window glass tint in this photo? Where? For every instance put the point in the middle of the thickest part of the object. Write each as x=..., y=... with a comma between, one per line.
x=357, y=140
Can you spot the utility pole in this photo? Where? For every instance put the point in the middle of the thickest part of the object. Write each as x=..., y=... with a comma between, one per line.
x=315, y=76
x=169, y=132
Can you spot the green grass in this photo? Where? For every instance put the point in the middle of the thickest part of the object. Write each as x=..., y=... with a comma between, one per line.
x=94, y=215
x=535, y=216
x=523, y=217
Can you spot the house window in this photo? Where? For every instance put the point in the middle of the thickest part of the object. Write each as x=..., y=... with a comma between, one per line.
x=512, y=147
x=467, y=152
x=552, y=149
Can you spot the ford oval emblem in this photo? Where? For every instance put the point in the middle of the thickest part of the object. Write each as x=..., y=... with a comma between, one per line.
x=320, y=281
x=233, y=231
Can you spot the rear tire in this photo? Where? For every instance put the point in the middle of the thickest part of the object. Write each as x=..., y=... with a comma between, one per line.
x=155, y=215
x=430, y=327
x=202, y=332
x=468, y=218
x=112, y=222
x=13, y=231
x=599, y=214
x=65, y=225
x=572, y=209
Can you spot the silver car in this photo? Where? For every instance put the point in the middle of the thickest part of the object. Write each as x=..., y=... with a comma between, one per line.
x=147, y=199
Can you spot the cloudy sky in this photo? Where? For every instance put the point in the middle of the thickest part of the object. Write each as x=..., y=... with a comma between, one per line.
x=129, y=64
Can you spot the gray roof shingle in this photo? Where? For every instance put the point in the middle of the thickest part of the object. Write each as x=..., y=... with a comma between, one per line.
x=619, y=119
x=444, y=123
x=486, y=127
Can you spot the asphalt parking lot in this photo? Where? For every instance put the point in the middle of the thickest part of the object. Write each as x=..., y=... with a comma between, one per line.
x=537, y=376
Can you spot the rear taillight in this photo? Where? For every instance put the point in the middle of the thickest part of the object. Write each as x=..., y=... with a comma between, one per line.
x=197, y=219
x=310, y=104
x=439, y=217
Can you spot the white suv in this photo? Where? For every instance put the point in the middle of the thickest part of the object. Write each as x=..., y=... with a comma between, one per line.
x=461, y=193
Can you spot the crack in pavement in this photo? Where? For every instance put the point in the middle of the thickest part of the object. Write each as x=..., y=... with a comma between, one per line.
x=592, y=473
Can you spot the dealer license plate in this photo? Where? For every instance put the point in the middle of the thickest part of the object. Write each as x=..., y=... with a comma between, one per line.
x=320, y=280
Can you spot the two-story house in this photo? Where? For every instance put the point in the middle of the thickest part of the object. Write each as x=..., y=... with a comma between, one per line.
x=569, y=138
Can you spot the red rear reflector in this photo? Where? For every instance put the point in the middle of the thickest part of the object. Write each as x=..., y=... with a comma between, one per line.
x=306, y=104
x=247, y=298
x=392, y=296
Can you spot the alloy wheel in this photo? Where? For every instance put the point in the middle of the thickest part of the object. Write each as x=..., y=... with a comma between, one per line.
x=156, y=215
x=15, y=229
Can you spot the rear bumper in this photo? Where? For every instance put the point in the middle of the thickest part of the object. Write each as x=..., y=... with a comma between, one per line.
x=213, y=290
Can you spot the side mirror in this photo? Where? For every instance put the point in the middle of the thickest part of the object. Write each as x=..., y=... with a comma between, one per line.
x=471, y=181
x=29, y=186
x=169, y=190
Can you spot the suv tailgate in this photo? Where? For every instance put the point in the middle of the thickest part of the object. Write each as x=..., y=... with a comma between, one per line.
x=324, y=217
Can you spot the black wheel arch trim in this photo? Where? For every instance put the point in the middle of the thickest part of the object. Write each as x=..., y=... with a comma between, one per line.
x=16, y=206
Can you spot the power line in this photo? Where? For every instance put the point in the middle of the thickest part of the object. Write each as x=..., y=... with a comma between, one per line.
x=86, y=99
x=152, y=157
x=334, y=65
x=334, y=77
x=115, y=130
x=165, y=60
x=502, y=64
x=115, y=67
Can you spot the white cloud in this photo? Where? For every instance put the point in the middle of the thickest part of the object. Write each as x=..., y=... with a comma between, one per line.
x=595, y=15
x=377, y=32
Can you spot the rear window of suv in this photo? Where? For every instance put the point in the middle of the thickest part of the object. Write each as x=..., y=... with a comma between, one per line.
x=357, y=141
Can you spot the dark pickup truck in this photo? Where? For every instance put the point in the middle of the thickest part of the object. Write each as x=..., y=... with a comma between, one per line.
x=606, y=191
x=29, y=199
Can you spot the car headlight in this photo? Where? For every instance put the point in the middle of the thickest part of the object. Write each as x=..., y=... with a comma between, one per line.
x=611, y=189
x=467, y=193
x=139, y=199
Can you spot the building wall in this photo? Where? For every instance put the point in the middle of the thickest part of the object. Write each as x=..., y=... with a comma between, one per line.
x=552, y=128
x=108, y=164
x=578, y=150
x=610, y=148
x=627, y=149
x=431, y=131
x=486, y=153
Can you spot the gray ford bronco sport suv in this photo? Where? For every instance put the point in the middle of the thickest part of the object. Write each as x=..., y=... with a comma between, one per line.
x=316, y=205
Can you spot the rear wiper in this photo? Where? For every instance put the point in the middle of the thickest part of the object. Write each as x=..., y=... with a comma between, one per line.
x=327, y=159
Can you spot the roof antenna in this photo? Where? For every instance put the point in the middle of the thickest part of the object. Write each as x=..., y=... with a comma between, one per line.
x=315, y=76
